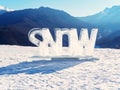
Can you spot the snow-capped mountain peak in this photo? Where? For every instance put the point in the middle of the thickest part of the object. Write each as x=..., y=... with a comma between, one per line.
x=2, y=8
x=5, y=8
x=112, y=9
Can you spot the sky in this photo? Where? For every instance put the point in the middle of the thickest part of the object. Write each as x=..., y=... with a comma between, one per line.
x=76, y=8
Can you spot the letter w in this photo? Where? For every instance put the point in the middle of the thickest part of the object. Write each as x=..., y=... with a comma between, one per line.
x=85, y=41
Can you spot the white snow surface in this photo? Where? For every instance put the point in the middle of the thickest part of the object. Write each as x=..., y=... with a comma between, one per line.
x=21, y=69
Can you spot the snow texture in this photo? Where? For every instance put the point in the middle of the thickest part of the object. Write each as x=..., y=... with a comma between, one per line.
x=21, y=69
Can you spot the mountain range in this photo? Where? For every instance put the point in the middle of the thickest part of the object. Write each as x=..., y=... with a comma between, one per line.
x=4, y=9
x=108, y=23
x=15, y=25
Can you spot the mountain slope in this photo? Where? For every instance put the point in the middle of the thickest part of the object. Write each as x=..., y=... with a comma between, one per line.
x=4, y=9
x=108, y=22
x=109, y=15
x=17, y=24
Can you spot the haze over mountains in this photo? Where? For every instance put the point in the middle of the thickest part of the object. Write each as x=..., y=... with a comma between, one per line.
x=108, y=22
x=15, y=25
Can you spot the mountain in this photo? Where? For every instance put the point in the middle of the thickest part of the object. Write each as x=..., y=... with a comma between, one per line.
x=4, y=9
x=108, y=22
x=105, y=16
x=15, y=25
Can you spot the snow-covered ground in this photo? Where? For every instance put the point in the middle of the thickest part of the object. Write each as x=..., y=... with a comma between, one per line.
x=20, y=70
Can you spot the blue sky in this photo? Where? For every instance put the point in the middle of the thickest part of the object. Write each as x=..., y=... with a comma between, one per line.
x=73, y=7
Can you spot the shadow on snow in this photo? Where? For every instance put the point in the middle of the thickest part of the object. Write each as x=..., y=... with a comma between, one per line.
x=42, y=66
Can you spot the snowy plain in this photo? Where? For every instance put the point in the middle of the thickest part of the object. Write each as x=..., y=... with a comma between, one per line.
x=19, y=70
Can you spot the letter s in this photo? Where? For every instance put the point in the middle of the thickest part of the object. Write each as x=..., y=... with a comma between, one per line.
x=32, y=38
